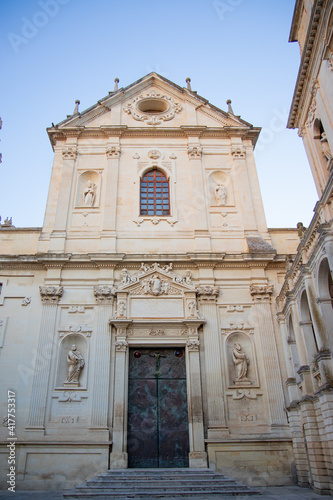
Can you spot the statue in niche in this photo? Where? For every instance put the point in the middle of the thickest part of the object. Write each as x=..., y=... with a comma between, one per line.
x=156, y=285
x=241, y=362
x=121, y=308
x=220, y=194
x=192, y=308
x=325, y=147
x=75, y=362
x=89, y=194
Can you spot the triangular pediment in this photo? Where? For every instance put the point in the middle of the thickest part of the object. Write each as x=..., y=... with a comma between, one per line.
x=156, y=281
x=131, y=107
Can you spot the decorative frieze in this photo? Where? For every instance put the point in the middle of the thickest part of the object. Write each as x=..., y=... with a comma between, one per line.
x=51, y=294
x=113, y=152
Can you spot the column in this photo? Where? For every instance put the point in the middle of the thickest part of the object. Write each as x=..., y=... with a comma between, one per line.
x=207, y=296
x=316, y=316
x=198, y=455
x=63, y=203
x=291, y=380
x=118, y=456
x=100, y=401
x=50, y=296
x=108, y=236
x=261, y=295
x=299, y=447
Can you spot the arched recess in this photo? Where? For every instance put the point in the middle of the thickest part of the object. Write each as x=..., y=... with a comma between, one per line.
x=220, y=196
x=62, y=366
x=325, y=295
x=248, y=349
x=293, y=348
x=88, y=189
x=310, y=341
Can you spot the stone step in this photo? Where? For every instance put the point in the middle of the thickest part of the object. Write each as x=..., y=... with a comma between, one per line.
x=159, y=483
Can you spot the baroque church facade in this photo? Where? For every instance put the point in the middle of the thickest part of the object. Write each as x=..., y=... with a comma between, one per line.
x=147, y=323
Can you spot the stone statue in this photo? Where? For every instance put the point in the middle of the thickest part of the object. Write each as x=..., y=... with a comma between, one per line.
x=75, y=365
x=89, y=194
x=187, y=277
x=241, y=362
x=125, y=277
x=121, y=308
x=220, y=194
x=156, y=285
x=301, y=230
x=325, y=147
x=192, y=308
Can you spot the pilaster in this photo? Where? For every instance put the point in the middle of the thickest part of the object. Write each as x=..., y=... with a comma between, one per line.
x=50, y=296
x=261, y=295
x=207, y=296
x=108, y=236
x=100, y=404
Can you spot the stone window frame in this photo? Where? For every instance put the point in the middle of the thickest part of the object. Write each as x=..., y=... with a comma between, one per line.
x=154, y=182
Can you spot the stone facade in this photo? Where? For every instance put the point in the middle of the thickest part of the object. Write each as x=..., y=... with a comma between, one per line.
x=305, y=301
x=102, y=277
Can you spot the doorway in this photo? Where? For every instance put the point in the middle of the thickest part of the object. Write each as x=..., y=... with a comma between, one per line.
x=158, y=434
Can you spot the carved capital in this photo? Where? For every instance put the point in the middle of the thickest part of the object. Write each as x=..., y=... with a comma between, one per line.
x=194, y=151
x=238, y=152
x=69, y=153
x=193, y=345
x=261, y=293
x=121, y=345
x=51, y=294
x=208, y=292
x=113, y=152
x=104, y=294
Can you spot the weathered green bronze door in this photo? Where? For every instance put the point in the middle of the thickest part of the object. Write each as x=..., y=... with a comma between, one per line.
x=157, y=408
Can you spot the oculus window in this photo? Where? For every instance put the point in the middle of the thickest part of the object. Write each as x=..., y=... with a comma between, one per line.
x=154, y=194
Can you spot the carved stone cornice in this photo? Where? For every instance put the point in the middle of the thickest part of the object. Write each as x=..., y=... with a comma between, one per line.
x=69, y=153
x=51, y=294
x=238, y=152
x=208, y=292
x=194, y=151
x=104, y=294
x=113, y=152
x=261, y=293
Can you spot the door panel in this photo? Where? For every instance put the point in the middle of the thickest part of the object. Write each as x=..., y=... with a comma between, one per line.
x=157, y=408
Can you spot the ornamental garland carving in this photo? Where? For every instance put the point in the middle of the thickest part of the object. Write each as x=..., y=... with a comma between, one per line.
x=69, y=153
x=50, y=294
x=261, y=293
x=194, y=151
x=171, y=108
x=104, y=294
x=113, y=152
x=208, y=292
x=238, y=152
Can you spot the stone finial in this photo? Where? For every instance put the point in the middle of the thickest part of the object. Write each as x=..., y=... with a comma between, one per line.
x=116, y=81
x=76, y=109
x=188, y=81
x=230, y=110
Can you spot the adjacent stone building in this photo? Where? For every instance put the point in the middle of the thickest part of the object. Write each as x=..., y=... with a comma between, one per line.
x=305, y=302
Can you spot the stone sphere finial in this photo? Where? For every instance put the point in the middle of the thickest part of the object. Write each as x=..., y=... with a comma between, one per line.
x=116, y=81
x=188, y=81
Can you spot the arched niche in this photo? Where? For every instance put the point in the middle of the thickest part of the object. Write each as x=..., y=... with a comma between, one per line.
x=325, y=294
x=65, y=346
x=247, y=346
x=88, y=190
x=221, y=191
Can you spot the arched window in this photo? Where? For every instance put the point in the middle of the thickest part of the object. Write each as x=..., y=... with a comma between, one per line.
x=154, y=194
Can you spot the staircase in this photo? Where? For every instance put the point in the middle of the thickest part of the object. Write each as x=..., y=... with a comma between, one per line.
x=158, y=483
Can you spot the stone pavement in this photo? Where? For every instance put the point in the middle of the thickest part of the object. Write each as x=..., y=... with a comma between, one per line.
x=270, y=493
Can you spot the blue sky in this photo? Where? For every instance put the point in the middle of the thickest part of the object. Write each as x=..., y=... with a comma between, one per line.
x=57, y=51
